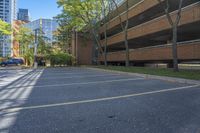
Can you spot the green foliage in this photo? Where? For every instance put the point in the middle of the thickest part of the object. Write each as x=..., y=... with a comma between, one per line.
x=25, y=37
x=29, y=57
x=61, y=59
x=5, y=28
x=83, y=13
x=2, y=59
x=86, y=16
x=63, y=34
x=44, y=49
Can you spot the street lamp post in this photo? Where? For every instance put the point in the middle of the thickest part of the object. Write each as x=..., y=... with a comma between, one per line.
x=35, y=49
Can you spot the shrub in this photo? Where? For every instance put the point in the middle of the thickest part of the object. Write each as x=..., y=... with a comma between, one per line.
x=61, y=59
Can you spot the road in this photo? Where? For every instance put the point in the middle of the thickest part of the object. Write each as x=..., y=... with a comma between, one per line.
x=82, y=100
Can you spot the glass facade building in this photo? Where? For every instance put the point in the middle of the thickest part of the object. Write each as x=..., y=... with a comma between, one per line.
x=8, y=14
x=48, y=26
x=23, y=15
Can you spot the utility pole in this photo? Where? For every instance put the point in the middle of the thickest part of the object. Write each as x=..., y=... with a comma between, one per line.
x=35, y=49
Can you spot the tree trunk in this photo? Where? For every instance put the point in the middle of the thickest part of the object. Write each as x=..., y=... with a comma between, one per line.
x=124, y=28
x=105, y=31
x=97, y=41
x=174, y=49
x=127, y=48
x=126, y=33
x=174, y=28
x=100, y=51
x=105, y=48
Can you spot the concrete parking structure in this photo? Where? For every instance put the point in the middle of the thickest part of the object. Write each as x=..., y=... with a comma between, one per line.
x=82, y=100
x=149, y=35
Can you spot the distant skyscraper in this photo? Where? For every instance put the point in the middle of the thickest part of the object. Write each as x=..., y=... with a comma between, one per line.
x=48, y=26
x=23, y=15
x=8, y=9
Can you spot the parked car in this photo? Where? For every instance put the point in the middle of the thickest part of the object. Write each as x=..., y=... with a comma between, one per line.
x=12, y=62
x=21, y=61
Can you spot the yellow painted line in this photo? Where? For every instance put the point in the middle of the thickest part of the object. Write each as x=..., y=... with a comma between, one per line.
x=98, y=100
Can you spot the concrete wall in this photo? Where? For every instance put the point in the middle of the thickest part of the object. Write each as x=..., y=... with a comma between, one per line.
x=190, y=14
x=187, y=51
x=136, y=9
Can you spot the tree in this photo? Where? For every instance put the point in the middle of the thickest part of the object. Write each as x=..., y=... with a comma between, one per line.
x=85, y=15
x=43, y=47
x=106, y=9
x=5, y=28
x=25, y=38
x=174, y=25
x=63, y=35
x=124, y=27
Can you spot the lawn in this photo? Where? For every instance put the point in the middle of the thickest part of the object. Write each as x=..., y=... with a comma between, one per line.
x=186, y=74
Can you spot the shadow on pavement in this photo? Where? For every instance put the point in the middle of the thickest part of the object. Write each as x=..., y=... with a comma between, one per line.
x=13, y=95
x=162, y=113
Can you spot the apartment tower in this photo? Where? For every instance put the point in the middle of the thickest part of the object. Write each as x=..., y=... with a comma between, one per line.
x=8, y=14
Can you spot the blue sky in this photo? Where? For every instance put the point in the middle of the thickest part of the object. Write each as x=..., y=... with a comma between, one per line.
x=40, y=8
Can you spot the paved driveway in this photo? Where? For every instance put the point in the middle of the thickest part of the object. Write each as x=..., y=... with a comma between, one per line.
x=81, y=100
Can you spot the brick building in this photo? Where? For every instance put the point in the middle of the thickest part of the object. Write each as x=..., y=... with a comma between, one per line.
x=82, y=49
x=150, y=34
x=16, y=47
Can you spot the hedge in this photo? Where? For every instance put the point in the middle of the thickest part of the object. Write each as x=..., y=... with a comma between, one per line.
x=61, y=59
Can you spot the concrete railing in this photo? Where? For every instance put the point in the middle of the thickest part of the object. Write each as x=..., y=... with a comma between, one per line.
x=190, y=14
x=189, y=50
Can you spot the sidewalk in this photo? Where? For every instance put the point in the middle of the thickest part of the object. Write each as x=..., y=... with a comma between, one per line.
x=11, y=68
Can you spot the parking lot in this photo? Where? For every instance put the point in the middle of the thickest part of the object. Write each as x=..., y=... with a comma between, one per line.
x=84, y=100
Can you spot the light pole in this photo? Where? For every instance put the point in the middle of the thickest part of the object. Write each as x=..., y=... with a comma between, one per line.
x=35, y=49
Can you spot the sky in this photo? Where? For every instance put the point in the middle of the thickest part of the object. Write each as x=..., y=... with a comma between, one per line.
x=40, y=8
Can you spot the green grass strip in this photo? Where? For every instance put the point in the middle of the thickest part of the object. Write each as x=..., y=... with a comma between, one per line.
x=186, y=74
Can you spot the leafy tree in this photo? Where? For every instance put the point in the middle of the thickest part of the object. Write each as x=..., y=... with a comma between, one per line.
x=86, y=15
x=5, y=28
x=25, y=37
x=63, y=34
x=44, y=48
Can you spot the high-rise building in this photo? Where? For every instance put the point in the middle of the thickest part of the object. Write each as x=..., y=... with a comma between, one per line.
x=47, y=26
x=23, y=15
x=8, y=14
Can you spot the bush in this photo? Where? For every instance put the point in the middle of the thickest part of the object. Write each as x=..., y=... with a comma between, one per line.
x=2, y=59
x=61, y=59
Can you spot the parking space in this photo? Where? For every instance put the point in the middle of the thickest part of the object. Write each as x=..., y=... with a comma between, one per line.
x=7, y=76
x=82, y=100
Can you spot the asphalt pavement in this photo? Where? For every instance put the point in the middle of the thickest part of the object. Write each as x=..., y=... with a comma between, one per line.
x=81, y=100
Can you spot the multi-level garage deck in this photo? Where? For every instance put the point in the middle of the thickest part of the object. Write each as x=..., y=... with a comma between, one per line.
x=148, y=26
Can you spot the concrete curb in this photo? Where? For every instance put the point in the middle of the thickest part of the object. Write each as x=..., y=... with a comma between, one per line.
x=14, y=68
x=5, y=68
x=147, y=76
